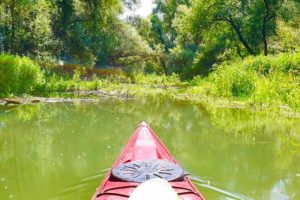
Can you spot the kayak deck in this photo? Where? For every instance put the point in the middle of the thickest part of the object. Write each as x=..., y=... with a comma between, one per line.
x=143, y=145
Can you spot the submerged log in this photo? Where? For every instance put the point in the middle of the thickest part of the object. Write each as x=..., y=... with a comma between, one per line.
x=2, y=102
x=35, y=100
x=13, y=101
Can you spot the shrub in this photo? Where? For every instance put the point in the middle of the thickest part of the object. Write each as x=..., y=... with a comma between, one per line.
x=196, y=81
x=264, y=65
x=161, y=80
x=243, y=84
x=278, y=89
x=18, y=75
x=272, y=80
x=233, y=81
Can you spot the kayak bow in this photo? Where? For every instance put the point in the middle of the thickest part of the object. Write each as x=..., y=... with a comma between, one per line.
x=143, y=158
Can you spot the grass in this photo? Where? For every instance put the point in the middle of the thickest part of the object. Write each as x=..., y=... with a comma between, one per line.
x=261, y=82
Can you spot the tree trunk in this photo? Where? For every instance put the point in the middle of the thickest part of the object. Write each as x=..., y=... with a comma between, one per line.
x=13, y=26
x=264, y=36
x=264, y=27
x=241, y=37
x=163, y=64
x=164, y=67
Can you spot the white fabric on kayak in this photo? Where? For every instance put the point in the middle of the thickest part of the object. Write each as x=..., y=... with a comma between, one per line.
x=154, y=189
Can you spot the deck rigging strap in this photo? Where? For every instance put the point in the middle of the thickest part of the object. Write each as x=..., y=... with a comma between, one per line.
x=140, y=171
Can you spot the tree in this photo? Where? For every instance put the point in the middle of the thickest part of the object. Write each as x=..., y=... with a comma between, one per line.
x=224, y=30
x=161, y=19
x=253, y=21
x=26, y=27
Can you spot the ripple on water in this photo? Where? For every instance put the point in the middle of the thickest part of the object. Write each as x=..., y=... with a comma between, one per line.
x=81, y=187
x=208, y=184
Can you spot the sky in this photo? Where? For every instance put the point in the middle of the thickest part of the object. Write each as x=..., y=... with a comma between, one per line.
x=143, y=10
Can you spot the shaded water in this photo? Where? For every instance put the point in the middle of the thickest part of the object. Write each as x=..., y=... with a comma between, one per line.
x=62, y=151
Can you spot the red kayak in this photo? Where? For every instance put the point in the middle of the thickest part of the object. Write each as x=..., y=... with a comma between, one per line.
x=143, y=158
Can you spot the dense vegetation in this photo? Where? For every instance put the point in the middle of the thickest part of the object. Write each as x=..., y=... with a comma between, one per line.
x=238, y=50
x=259, y=80
x=18, y=75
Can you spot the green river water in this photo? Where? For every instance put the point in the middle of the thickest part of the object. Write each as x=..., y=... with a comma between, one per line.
x=61, y=151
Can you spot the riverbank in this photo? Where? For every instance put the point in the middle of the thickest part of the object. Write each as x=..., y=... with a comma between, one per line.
x=137, y=92
x=262, y=83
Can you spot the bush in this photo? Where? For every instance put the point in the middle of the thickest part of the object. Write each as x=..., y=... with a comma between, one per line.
x=161, y=80
x=18, y=75
x=272, y=80
x=233, y=81
x=243, y=84
x=264, y=65
x=278, y=89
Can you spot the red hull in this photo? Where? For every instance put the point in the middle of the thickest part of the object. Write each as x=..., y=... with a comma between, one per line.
x=143, y=144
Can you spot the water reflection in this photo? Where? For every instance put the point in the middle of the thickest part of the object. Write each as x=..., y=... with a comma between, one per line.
x=57, y=151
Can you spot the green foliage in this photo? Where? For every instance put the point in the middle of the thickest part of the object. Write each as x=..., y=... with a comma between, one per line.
x=286, y=63
x=181, y=58
x=243, y=84
x=55, y=84
x=130, y=50
x=196, y=35
x=261, y=80
x=85, y=32
x=180, y=36
x=25, y=28
x=18, y=75
x=154, y=79
x=233, y=81
x=278, y=89
x=220, y=43
x=266, y=81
